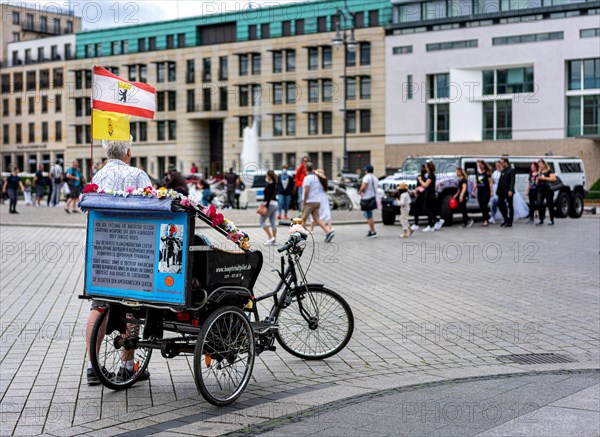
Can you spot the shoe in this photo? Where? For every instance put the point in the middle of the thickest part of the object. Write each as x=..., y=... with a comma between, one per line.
x=329, y=236
x=285, y=217
x=485, y=225
x=92, y=379
x=404, y=236
x=508, y=225
x=492, y=221
x=125, y=374
x=428, y=229
x=503, y=224
x=539, y=223
x=270, y=242
x=372, y=234
x=551, y=223
x=279, y=217
x=67, y=211
x=439, y=225
x=530, y=221
x=469, y=224
x=414, y=227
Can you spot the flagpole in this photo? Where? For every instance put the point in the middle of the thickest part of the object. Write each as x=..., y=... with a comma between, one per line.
x=91, y=132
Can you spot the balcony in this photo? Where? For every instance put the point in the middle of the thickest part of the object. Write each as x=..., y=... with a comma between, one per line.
x=38, y=28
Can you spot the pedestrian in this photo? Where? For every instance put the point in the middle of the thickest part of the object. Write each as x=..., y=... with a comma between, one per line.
x=505, y=192
x=285, y=186
x=116, y=175
x=532, y=190
x=494, y=203
x=545, y=177
x=404, y=201
x=11, y=186
x=428, y=183
x=177, y=182
x=56, y=178
x=419, y=202
x=484, y=190
x=27, y=193
x=73, y=177
x=270, y=204
x=462, y=196
x=368, y=202
x=324, y=209
x=193, y=169
x=299, y=179
x=232, y=181
x=207, y=196
x=39, y=181
x=311, y=204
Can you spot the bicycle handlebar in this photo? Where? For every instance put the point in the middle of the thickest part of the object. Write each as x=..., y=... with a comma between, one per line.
x=294, y=239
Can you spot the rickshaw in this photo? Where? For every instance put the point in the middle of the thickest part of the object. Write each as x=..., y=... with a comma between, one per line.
x=160, y=286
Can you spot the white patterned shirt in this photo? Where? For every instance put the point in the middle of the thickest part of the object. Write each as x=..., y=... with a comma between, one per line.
x=117, y=175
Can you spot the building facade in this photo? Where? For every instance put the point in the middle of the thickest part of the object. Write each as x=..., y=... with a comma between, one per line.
x=493, y=77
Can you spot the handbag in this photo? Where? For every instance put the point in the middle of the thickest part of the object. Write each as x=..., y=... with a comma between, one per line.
x=556, y=185
x=262, y=209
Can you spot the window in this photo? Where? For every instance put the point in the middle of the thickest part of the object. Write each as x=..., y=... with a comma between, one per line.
x=143, y=126
x=327, y=122
x=57, y=78
x=15, y=58
x=583, y=115
x=40, y=56
x=359, y=20
x=28, y=22
x=326, y=57
x=277, y=93
x=256, y=94
x=31, y=105
x=277, y=125
x=365, y=121
x=327, y=86
x=44, y=104
x=78, y=107
x=290, y=60
x=143, y=73
x=252, y=32
x=44, y=24
x=439, y=86
x=54, y=52
x=313, y=91
x=58, y=131
x=583, y=74
x=160, y=131
x=172, y=130
x=244, y=95
x=223, y=68
x=402, y=50
x=350, y=122
x=18, y=106
x=44, y=79
x=98, y=49
x=290, y=124
x=114, y=48
x=172, y=69
x=190, y=75
x=290, y=92
x=88, y=106
x=277, y=61
x=191, y=100
x=350, y=58
x=206, y=99
x=533, y=37
x=570, y=167
x=57, y=26
x=206, y=70
x=365, y=53
x=44, y=131
x=265, y=30
x=589, y=33
x=313, y=123
x=141, y=45
x=58, y=103
x=322, y=24
x=124, y=47
x=350, y=88
x=16, y=18
x=434, y=10
x=374, y=18
x=256, y=59
x=18, y=133
x=160, y=72
x=313, y=58
x=5, y=134
x=439, y=122
x=223, y=97
x=152, y=43
x=497, y=120
x=170, y=41
x=365, y=87
x=286, y=28
x=31, y=85
x=244, y=123
x=31, y=132
x=5, y=106
x=243, y=65
x=28, y=56
x=160, y=101
x=181, y=40
x=452, y=45
x=172, y=100
x=6, y=83
x=508, y=81
x=299, y=27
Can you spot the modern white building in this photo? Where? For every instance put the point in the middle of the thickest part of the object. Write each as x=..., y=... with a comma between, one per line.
x=40, y=50
x=496, y=76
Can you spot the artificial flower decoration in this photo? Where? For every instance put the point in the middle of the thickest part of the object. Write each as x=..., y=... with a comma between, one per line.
x=161, y=192
x=90, y=188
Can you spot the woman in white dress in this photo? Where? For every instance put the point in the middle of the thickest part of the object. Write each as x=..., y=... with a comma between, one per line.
x=324, y=210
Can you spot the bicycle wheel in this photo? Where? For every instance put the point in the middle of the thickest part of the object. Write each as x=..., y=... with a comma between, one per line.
x=224, y=356
x=317, y=324
x=113, y=349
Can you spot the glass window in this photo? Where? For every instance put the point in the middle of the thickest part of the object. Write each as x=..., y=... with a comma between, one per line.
x=256, y=59
x=434, y=10
x=18, y=133
x=365, y=121
x=487, y=6
x=286, y=28
x=252, y=32
x=160, y=130
x=143, y=73
x=327, y=90
x=223, y=68
x=351, y=122
x=31, y=104
x=44, y=104
x=256, y=94
x=591, y=73
x=350, y=88
x=591, y=117
x=459, y=8
x=290, y=124
x=503, y=119
x=350, y=58
x=170, y=41
x=291, y=92
x=313, y=58
x=244, y=122
x=313, y=91
x=277, y=61
x=265, y=30
x=58, y=103
x=243, y=65
x=321, y=24
x=300, y=27
x=191, y=100
x=58, y=131
x=365, y=87
x=277, y=93
x=18, y=106
x=244, y=95
x=172, y=71
x=488, y=82
x=160, y=72
x=365, y=53
x=160, y=101
x=172, y=130
x=172, y=101
x=277, y=125
x=326, y=57
x=439, y=86
x=327, y=121
x=313, y=123
x=44, y=131
x=206, y=69
x=290, y=60
x=190, y=76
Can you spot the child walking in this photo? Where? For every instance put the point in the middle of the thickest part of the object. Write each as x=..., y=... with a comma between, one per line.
x=404, y=202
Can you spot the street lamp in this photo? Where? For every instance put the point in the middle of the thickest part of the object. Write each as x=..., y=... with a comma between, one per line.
x=348, y=41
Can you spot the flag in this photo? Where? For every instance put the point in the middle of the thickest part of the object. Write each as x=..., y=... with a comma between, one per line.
x=110, y=126
x=115, y=94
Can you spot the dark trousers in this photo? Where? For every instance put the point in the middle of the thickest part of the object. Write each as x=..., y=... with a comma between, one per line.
x=231, y=197
x=418, y=207
x=547, y=195
x=483, y=198
x=430, y=209
x=505, y=204
x=462, y=208
x=12, y=195
x=533, y=196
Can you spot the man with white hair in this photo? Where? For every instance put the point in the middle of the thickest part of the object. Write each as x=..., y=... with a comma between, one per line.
x=116, y=175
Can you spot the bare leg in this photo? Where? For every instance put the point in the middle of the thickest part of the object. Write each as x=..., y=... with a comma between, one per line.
x=92, y=317
x=371, y=223
x=268, y=232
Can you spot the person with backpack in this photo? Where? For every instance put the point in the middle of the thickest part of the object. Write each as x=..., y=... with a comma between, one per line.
x=56, y=178
x=74, y=179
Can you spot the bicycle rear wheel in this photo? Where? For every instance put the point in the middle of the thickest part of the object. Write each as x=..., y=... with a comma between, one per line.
x=317, y=324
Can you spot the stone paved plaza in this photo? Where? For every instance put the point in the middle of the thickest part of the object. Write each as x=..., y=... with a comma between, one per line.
x=433, y=308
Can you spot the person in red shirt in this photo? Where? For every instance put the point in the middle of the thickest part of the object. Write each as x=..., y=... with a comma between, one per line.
x=299, y=178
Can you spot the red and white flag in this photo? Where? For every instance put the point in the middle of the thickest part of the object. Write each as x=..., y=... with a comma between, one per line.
x=113, y=93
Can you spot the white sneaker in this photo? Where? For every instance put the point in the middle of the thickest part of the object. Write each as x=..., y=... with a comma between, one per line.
x=492, y=221
x=414, y=227
x=439, y=225
x=270, y=242
x=428, y=229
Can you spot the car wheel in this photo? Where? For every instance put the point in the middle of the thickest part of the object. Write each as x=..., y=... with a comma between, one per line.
x=576, y=210
x=563, y=205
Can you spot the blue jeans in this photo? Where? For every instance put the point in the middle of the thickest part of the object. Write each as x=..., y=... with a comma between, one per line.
x=494, y=206
x=284, y=203
x=300, y=191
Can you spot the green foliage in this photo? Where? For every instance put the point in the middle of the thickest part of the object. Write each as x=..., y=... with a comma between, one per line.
x=594, y=192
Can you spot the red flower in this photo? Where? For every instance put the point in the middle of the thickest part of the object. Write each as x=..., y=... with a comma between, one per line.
x=217, y=219
x=90, y=188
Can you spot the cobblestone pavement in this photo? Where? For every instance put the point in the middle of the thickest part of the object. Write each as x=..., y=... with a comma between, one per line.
x=435, y=307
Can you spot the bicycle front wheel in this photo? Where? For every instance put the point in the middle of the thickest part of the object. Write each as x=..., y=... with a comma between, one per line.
x=317, y=324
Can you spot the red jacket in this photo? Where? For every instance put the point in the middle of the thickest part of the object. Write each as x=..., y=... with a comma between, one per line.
x=300, y=174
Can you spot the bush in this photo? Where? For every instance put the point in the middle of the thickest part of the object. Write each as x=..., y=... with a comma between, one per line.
x=594, y=192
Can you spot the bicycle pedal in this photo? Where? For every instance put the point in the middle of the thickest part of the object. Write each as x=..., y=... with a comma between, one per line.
x=263, y=327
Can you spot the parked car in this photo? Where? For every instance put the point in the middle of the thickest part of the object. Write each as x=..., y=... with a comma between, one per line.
x=568, y=201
